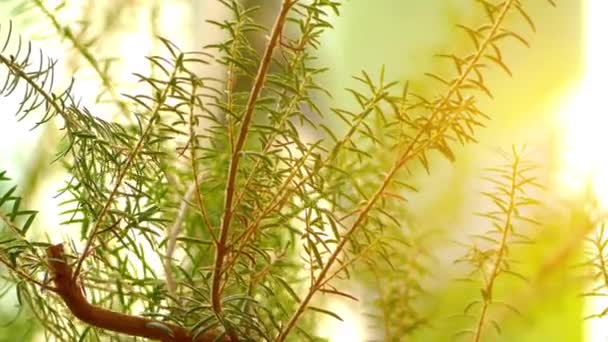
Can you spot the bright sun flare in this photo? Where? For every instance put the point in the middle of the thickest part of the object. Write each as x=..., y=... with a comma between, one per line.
x=584, y=119
x=583, y=116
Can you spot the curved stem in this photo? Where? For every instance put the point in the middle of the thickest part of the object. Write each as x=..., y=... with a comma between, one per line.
x=71, y=293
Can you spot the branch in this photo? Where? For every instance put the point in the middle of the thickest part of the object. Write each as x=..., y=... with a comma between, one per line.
x=25, y=276
x=172, y=234
x=86, y=53
x=414, y=148
x=502, y=250
x=71, y=293
x=51, y=102
x=122, y=173
x=258, y=84
x=194, y=164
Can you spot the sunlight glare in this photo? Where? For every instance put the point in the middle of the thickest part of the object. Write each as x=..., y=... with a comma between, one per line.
x=583, y=123
x=584, y=119
x=352, y=329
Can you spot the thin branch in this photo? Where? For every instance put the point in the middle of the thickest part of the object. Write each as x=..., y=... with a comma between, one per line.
x=12, y=226
x=602, y=257
x=16, y=70
x=258, y=84
x=194, y=164
x=172, y=234
x=285, y=190
x=300, y=48
x=86, y=53
x=409, y=153
x=251, y=229
x=125, y=169
x=24, y=276
x=489, y=286
x=549, y=267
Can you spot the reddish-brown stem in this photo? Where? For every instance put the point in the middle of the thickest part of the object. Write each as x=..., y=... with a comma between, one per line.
x=222, y=245
x=71, y=293
x=413, y=149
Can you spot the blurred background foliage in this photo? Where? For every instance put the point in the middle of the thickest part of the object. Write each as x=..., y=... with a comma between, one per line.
x=404, y=36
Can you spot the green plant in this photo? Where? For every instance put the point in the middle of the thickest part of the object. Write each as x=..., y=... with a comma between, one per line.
x=217, y=181
x=489, y=254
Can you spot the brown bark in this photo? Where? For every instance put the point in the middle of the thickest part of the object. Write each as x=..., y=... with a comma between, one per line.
x=72, y=294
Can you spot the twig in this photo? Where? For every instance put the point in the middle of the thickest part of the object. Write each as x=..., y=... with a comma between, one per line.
x=410, y=152
x=285, y=190
x=552, y=265
x=173, y=233
x=86, y=53
x=24, y=276
x=496, y=268
x=193, y=144
x=52, y=102
x=222, y=248
x=71, y=293
x=122, y=173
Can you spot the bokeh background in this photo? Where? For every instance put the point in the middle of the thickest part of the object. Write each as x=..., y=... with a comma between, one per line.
x=553, y=104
